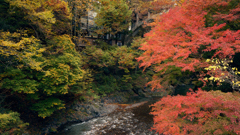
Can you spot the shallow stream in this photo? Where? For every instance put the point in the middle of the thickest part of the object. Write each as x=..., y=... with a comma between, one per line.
x=131, y=119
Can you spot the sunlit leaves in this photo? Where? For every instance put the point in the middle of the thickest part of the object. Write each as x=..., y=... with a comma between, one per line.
x=46, y=15
x=24, y=49
x=40, y=63
x=221, y=71
x=60, y=69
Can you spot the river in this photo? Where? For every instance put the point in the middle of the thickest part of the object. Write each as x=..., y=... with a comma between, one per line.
x=131, y=119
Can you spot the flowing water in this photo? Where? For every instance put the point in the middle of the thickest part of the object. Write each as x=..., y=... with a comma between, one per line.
x=132, y=119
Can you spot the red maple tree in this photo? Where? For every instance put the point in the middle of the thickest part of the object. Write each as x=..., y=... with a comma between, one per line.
x=178, y=35
x=179, y=38
x=198, y=113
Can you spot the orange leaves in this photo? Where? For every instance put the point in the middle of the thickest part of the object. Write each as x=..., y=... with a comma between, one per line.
x=159, y=5
x=59, y=6
x=197, y=113
x=178, y=35
x=232, y=16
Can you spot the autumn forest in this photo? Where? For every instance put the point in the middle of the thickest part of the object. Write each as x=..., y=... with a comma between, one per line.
x=56, y=53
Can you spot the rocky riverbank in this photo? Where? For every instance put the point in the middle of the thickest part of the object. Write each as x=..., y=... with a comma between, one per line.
x=128, y=119
x=80, y=112
x=84, y=111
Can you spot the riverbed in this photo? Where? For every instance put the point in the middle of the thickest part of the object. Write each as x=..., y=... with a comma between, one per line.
x=131, y=118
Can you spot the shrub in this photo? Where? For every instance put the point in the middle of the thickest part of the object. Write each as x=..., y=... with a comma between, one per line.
x=198, y=113
x=10, y=123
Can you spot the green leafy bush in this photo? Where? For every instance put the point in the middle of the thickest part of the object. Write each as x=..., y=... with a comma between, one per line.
x=11, y=124
x=114, y=68
x=59, y=71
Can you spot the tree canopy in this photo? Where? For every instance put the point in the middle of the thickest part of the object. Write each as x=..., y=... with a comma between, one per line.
x=41, y=70
x=199, y=36
x=45, y=63
x=113, y=16
x=181, y=36
x=212, y=112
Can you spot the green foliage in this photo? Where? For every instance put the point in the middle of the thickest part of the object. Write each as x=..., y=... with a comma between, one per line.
x=62, y=67
x=25, y=49
x=39, y=61
x=172, y=75
x=105, y=84
x=42, y=19
x=113, y=16
x=104, y=46
x=60, y=71
x=10, y=21
x=10, y=124
x=19, y=82
x=47, y=106
x=114, y=68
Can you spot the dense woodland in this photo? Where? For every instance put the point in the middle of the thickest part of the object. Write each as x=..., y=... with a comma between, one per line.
x=195, y=42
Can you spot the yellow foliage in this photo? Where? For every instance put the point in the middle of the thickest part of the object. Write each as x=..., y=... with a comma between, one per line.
x=222, y=72
x=22, y=48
